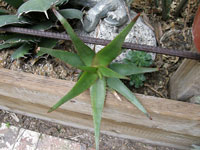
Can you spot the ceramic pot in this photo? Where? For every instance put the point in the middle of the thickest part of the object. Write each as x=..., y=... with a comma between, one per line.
x=196, y=30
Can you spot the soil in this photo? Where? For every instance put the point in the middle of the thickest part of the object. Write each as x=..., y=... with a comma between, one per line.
x=174, y=33
x=74, y=134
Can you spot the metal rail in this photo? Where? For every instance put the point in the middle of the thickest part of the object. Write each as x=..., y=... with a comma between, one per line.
x=97, y=41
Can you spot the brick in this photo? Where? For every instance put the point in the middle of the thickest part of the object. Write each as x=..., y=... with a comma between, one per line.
x=47, y=142
x=26, y=140
x=8, y=136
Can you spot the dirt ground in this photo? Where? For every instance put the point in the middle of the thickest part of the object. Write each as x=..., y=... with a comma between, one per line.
x=174, y=33
x=74, y=134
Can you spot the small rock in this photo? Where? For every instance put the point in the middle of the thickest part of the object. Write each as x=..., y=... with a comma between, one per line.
x=140, y=34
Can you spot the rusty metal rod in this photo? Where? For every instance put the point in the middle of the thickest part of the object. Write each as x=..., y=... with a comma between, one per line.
x=97, y=41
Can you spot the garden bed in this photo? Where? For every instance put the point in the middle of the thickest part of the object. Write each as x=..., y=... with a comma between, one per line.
x=174, y=123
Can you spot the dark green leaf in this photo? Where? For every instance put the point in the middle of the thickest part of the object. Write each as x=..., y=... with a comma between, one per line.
x=80, y=74
x=18, y=38
x=14, y=3
x=3, y=12
x=70, y=58
x=97, y=93
x=37, y=6
x=13, y=38
x=118, y=85
x=11, y=19
x=113, y=49
x=71, y=13
x=86, y=54
x=43, y=26
x=85, y=81
x=129, y=69
x=6, y=36
x=110, y=73
x=21, y=51
x=8, y=45
x=62, y=2
x=47, y=43
x=23, y=39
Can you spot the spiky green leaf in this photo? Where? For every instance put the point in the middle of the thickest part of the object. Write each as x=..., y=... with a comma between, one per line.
x=129, y=69
x=113, y=49
x=43, y=26
x=85, y=81
x=119, y=86
x=110, y=73
x=14, y=3
x=11, y=19
x=21, y=51
x=97, y=93
x=6, y=36
x=71, y=13
x=47, y=43
x=68, y=57
x=37, y=6
x=23, y=39
x=86, y=54
x=8, y=45
x=61, y=2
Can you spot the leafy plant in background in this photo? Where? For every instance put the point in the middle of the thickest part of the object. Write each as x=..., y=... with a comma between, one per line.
x=140, y=59
x=15, y=4
x=33, y=14
x=8, y=124
x=166, y=6
x=98, y=71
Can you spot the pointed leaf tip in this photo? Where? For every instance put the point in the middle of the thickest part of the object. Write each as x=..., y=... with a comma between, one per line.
x=97, y=93
x=136, y=17
x=50, y=110
x=149, y=116
x=85, y=81
x=119, y=86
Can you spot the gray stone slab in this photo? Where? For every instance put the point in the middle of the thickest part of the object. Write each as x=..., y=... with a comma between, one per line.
x=8, y=135
x=26, y=140
x=47, y=142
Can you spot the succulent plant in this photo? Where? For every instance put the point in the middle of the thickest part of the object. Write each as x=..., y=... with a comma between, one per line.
x=32, y=14
x=140, y=59
x=98, y=71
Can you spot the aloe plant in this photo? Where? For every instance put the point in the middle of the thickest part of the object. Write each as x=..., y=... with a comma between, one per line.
x=27, y=16
x=98, y=71
x=14, y=4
